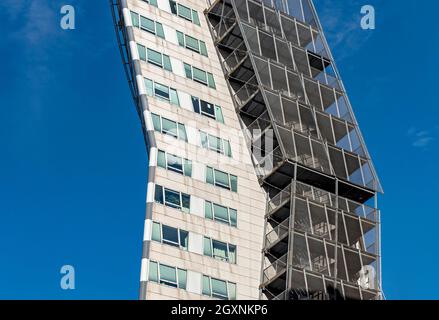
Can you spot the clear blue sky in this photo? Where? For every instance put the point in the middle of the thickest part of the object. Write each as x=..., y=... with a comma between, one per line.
x=73, y=163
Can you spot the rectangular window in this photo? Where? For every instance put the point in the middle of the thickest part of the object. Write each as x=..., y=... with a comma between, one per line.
x=161, y=91
x=172, y=198
x=158, y=90
x=169, y=127
x=156, y=232
x=192, y=43
x=199, y=76
x=173, y=163
x=221, y=179
x=195, y=18
x=149, y=84
x=167, y=275
x=142, y=52
x=207, y=109
x=151, y=2
x=170, y=236
x=147, y=24
x=184, y=12
x=158, y=59
x=220, y=213
x=182, y=278
x=153, y=272
x=218, y=288
x=219, y=250
x=210, y=81
x=159, y=30
x=135, y=19
x=203, y=48
x=214, y=143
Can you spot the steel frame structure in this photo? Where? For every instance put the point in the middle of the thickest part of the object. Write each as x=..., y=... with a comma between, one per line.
x=322, y=234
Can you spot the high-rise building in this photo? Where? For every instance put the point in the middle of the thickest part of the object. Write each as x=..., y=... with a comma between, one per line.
x=260, y=185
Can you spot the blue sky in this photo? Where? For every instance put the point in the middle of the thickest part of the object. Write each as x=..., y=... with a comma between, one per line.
x=73, y=162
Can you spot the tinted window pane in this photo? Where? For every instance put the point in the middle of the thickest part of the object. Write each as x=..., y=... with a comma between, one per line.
x=158, y=197
x=170, y=235
x=153, y=272
x=169, y=127
x=161, y=91
x=221, y=179
x=208, y=210
x=172, y=198
x=208, y=109
x=175, y=163
x=168, y=276
x=221, y=213
x=219, y=288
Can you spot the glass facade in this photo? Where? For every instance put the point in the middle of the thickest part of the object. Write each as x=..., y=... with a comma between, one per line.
x=322, y=225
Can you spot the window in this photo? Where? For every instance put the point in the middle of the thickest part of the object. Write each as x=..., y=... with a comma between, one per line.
x=151, y=2
x=219, y=250
x=218, y=288
x=171, y=236
x=220, y=213
x=199, y=76
x=207, y=109
x=147, y=24
x=158, y=59
x=172, y=199
x=135, y=19
x=214, y=143
x=161, y=91
x=167, y=275
x=184, y=12
x=174, y=163
x=169, y=127
x=142, y=52
x=191, y=43
x=158, y=90
x=221, y=179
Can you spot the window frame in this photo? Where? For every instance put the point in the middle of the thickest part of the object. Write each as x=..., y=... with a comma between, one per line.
x=211, y=293
x=225, y=144
x=200, y=48
x=189, y=72
x=156, y=267
x=197, y=108
x=185, y=163
x=151, y=91
x=230, y=177
x=180, y=127
x=164, y=59
x=183, y=199
x=211, y=249
x=176, y=8
x=179, y=244
x=229, y=220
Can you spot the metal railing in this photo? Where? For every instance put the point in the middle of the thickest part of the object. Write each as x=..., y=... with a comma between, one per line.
x=235, y=58
x=279, y=199
x=275, y=268
x=277, y=233
x=259, y=126
x=247, y=92
x=266, y=165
